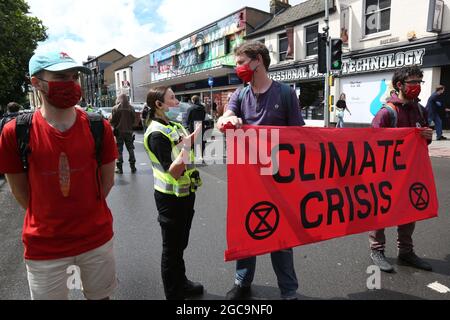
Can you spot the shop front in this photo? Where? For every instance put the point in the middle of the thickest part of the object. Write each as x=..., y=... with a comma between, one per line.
x=366, y=76
x=365, y=79
x=309, y=86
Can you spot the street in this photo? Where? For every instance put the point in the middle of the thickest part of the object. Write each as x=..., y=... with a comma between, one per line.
x=334, y=269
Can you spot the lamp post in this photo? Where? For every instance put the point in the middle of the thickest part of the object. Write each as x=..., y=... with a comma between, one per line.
x=326, y=106
x=211, y=84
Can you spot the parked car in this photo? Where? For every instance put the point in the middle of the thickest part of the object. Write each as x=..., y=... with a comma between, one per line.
x=179, y=114
x=138, y=107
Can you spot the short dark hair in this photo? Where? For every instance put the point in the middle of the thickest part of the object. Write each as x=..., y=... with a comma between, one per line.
x=13, y=107
x=252, y=49
x=402, y=74
x=440, y=87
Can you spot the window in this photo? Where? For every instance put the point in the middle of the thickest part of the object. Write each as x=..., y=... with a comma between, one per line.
x=118, y=80
x=377, y=16
x=282, y=46
x=311, y=39
x=227, y=45
x=124, y=75
x=203, y=53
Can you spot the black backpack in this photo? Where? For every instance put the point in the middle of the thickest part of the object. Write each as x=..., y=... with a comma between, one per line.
x=23, y=125
x=7, y=118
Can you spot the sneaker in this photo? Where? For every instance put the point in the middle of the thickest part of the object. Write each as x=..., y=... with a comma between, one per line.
x=119, y=171
x=239, y=293
x=441, y=138
x=411, y=259
x=192, y=289
x=379, y=260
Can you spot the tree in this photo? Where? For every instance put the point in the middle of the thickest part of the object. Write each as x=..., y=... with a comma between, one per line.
x=19, y=37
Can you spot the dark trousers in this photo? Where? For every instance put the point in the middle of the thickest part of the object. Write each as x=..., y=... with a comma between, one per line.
x=127, y=139
x=377, y=238
x=175, y=218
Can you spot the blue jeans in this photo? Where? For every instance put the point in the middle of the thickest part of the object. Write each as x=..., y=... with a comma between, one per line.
x=437, y=124
x=340, y=119
x=283, y=265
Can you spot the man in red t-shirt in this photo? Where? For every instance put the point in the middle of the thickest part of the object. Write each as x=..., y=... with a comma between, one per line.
x=67, y=222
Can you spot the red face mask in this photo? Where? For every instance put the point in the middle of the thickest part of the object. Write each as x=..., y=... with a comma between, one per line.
x=63, y=94
x=412, y=92
x=245, y=73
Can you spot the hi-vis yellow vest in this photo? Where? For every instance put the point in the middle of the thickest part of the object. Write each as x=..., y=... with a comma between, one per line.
x=163, y=180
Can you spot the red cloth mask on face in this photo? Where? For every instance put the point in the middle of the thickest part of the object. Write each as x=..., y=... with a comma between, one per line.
x=412, y=91
x=63, y=94
x=245, y=73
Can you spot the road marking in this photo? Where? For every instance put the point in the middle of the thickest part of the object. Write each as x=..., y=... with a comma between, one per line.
x=140, y=142
x=436, y=286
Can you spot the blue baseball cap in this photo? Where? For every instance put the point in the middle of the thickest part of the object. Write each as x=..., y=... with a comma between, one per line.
x=54, y=61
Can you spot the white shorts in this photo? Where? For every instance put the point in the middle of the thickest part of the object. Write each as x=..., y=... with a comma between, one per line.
x=95, y=274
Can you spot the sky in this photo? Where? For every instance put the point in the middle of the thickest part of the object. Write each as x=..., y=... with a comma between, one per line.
x=85, y=28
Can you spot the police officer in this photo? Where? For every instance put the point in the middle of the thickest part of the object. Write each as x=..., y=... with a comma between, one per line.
x=175, y=181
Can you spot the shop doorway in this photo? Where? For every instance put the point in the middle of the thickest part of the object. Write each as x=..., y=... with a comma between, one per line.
x=311, y=99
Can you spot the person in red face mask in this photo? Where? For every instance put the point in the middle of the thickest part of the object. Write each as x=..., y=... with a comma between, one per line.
x=407, y=110
x=64, y=185
x=262, y=104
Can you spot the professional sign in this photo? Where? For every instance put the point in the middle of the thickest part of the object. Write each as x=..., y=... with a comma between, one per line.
x=350, y=66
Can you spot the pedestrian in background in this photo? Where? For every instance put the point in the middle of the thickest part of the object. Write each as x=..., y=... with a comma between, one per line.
x=123, y=117
x=12, y=111
x=436, y=111
x=258, y=108
x=176, y=179
x=63, y=186
x=196, y=113
x=341, y=106
x=402, y=110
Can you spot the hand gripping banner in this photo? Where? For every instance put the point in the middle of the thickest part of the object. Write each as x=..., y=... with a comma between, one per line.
x=290, y=186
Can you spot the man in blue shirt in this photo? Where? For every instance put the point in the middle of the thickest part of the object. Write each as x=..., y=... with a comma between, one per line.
x=261, y=104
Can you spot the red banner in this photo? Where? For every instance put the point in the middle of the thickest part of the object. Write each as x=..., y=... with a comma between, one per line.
x=289, y=186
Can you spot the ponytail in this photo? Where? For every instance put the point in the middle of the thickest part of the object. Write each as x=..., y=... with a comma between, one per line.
x=151, y=113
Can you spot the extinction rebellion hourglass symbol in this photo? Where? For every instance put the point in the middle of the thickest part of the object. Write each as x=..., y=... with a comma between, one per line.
x=262, y=220
x=419, y=196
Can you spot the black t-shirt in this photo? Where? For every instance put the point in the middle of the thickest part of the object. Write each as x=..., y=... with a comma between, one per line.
x=341, y=104
x=161, y=147
x=195, y=113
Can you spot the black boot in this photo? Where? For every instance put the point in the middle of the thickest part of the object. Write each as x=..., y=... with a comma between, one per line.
x=239, y=293
x=133, y=168
x=119, y=169
x=411, y=259
x=192, y=289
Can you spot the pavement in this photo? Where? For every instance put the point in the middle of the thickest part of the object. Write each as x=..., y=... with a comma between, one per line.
x=440, y=148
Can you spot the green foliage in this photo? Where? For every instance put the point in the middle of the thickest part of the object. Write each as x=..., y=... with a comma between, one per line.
x=19, y=37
